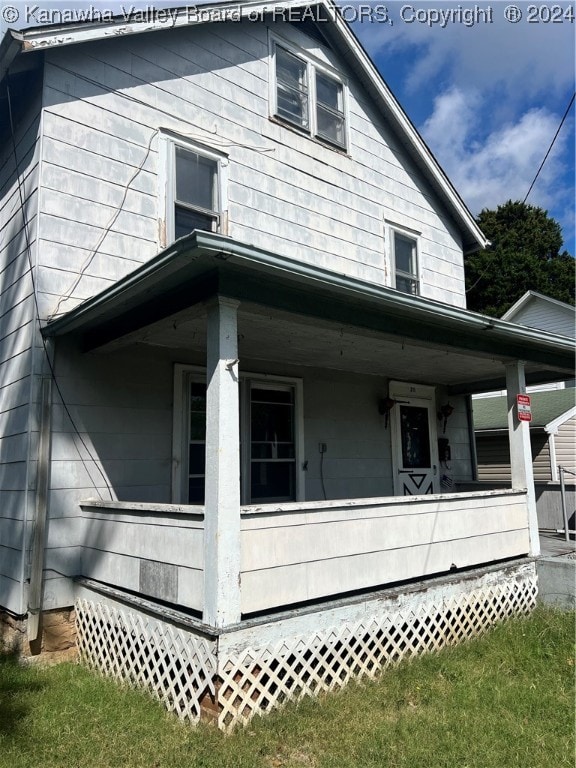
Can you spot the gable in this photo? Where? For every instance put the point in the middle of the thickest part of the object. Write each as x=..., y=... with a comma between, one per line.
x=334, y=29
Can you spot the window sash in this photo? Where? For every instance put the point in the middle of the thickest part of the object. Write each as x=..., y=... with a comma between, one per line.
x=292, y=94
x=195, y=200
x=406, y=264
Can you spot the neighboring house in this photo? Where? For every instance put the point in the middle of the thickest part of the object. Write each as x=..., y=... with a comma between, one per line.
x=553, y=442
x=230, y=438
x=538, y=311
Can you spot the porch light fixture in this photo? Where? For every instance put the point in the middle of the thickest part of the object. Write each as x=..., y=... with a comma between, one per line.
x=444, y=413
x=385, y=405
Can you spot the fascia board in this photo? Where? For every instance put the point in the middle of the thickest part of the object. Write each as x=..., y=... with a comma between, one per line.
x=552, y=427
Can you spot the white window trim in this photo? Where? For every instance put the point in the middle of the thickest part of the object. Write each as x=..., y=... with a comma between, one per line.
x=182, y=374
x=410, y=234
x=167, y=178
x=312, y=64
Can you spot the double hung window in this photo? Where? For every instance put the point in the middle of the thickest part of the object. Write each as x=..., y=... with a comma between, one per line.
x=192, y=188
x=308, y=96
x=405, y=263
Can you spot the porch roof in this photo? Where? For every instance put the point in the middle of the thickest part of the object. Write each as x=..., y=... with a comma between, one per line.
x=203, y=264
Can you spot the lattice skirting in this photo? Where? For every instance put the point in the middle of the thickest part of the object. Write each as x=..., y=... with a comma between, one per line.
x=175, y=665
x=299, y=656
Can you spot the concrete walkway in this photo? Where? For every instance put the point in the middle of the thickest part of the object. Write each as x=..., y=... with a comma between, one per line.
x=556, y=569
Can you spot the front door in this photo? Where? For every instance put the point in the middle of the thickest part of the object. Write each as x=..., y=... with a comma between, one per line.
x=414, y=448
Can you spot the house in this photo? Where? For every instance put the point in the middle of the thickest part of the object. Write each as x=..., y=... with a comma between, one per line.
x=552, y=440
x=237, y=363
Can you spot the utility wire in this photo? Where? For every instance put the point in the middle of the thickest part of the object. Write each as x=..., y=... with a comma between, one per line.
x=551, y=145
x=35, y=298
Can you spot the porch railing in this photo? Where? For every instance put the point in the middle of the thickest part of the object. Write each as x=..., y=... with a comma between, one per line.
x=298, y=552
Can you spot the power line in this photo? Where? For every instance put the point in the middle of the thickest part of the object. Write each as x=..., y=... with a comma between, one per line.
x=550, y=147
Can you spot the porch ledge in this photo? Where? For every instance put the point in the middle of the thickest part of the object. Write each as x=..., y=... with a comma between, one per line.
x=138, y=507
x=381, y=501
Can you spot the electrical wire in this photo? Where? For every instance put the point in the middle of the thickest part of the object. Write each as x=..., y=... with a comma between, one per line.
x=551, y=145
x=107, y=229
x=322, y=474
x=37, y=308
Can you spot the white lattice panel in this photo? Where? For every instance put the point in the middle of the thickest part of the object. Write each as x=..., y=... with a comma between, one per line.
x=260, y=679
x=178, y=667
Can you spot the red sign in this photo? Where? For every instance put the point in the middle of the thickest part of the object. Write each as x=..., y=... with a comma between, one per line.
x=523, y=407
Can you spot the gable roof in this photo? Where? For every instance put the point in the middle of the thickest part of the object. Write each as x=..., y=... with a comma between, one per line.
x=534, y=296
x=491, y=413
x=334, y=28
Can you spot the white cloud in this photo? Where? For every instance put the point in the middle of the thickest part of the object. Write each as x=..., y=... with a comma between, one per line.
x=501, y=165
x=522, y=59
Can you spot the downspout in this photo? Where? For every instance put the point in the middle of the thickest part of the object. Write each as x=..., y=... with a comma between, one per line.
x=471, y=438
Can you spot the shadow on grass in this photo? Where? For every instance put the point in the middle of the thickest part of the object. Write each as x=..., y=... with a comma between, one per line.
x=16, y=684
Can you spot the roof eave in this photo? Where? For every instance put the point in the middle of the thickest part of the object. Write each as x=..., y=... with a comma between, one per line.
x=215, y=249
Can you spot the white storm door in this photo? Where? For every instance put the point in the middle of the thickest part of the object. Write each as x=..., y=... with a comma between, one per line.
x=414, y=447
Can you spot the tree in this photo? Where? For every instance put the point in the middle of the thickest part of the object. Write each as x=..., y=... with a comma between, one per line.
x=524, y=255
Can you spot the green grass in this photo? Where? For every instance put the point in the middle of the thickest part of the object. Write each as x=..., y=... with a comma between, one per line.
x=503, y=700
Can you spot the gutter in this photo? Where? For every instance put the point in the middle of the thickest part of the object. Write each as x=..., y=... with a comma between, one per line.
x=199, y=245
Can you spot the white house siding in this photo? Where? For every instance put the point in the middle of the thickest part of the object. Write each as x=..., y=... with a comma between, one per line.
x=121, y=403
x=286, y=192
x=565, y=442
x=18, y=329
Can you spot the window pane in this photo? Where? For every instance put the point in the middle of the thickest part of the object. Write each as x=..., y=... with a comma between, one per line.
x=272, y=450
x=329, y=92
x=404, y=254
x=330, y=126
x=291, y=88
x=185, y=221
x=272, y=395
x=272, y=423
x=195, y=179
x=197, y=459
x=407, y=285
x=196, y=490
x=273, y=480
x=415, y=437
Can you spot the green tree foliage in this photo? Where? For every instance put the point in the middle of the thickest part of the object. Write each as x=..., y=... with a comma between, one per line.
x=524, y=256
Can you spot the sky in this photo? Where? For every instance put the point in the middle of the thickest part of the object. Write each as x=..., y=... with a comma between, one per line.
x=486, y=84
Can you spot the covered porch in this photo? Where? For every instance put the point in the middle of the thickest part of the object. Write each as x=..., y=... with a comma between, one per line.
x=252, y=523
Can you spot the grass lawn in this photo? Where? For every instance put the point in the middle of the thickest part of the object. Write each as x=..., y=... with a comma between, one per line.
x=503, y=700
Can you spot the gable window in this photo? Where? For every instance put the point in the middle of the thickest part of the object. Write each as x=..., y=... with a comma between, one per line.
x=405, y=263
x=269, y=438
x=191, y=188
x=308, y=96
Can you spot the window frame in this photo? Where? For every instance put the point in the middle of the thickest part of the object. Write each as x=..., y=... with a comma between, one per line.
x=169, y=143
x=415, y=276
x=313, y=66
x=184, y=375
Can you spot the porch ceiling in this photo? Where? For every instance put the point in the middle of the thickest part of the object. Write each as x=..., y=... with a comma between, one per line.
x=299, y=314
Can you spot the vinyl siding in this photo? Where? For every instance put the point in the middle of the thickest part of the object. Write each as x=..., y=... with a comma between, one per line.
x=493, y=452
x=286, y=192
x=565, y=440
x=18, y=334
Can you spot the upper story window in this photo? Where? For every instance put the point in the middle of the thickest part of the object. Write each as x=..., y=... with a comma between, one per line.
x=308, y=96
x=196, y=192
x=405, y=263
x=192, y=188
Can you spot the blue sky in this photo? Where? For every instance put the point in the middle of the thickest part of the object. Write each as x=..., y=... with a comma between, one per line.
x=487, y=97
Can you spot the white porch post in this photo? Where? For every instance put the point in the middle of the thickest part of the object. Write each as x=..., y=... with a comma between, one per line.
x=520, y=450
x=222, y=499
